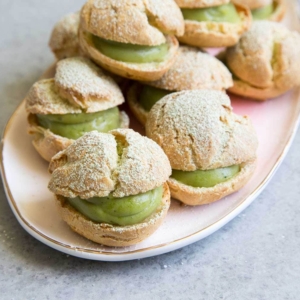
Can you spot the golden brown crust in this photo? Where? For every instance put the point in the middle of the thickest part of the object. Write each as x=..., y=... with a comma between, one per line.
x=86, y=86
x=253, y=4
x=48, y=144
x=136, y=71
x=109, y=235
x=244, y=89
x=132, y=21
x=214, y=34
x=64, y=37
x=266, y=61
x=200, y=3
x=199, y=196
x=198, y=130
x=194, y=70
x=92, y=166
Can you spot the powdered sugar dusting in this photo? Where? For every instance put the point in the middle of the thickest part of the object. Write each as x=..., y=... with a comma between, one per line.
x=64, y=37
x=194, y=69
x=86, y=85
x=84, y=169
x=143, y=165
x=92, y=166
x=43, y=98
x=141, y=22
x=198, y=130
x=267, y=56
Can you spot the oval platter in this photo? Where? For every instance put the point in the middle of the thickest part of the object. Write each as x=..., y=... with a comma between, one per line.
x=25, y=178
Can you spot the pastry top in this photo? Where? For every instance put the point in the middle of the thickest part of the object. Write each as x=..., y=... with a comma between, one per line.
x=43, y=98
x=267, y=55
x=85, y=85
x=193, y=70
x=142, y=22
x=198, y=130
x=253, y=4
x=119, y=163
x=200, y=3
x=79, y=86
x=64, y=37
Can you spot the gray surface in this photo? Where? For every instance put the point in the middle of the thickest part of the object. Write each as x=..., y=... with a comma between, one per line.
x=256, y=256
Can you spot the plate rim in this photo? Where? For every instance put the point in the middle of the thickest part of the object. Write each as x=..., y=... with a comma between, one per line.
x=151, y=250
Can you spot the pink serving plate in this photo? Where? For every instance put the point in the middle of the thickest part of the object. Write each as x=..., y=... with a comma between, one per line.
x=25, y=179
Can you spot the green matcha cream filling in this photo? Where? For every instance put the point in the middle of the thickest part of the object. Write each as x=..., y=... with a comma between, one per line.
x=205, y=178
x=263, y=13
x=119, y=211
x=150, y=95
x=73, y=126
x=131, y=53
x=222, y=13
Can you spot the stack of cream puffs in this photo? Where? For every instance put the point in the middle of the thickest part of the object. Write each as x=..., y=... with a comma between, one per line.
x=111, y=184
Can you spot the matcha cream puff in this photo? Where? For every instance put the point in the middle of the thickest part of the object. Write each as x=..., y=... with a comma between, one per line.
x=111, y=187
x=212, y=151
x=80, y=98
x=265, y=63
x=132, y=38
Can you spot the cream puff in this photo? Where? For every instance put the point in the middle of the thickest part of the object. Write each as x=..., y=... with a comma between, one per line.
x=80, y=98
x=265, y=63
x=212, y=151
x=111, y=187
x=134, y=39
x=192, y=70
x=213, y=23
x=64, y=37
x=272, y=10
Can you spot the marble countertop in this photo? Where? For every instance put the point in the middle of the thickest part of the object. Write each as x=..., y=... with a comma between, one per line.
x=255, y=256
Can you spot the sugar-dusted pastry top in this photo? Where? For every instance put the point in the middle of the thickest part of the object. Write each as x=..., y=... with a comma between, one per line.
x=267, y=56
x=120, y=163
x=43, y=98
x=200, y=3
x=79, y=86
x=192, y=70
x=142, y=22
x=198, y=130
x=253, y=4
x=64, y=37
x=85, y=85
